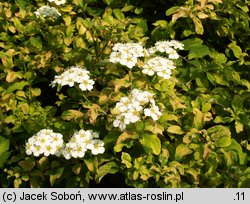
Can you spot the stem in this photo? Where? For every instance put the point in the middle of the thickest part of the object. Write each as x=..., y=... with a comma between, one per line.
x=95, y=43
x=86, y=98
x=100, y=109
x=1, y=118
x=130, y=74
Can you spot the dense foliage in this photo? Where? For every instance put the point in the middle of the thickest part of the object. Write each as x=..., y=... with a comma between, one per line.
x=201, y=139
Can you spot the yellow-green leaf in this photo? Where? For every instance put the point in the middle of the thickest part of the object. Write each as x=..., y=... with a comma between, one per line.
x=71, y=114
x=151, y=142
x=181, y=151
x=126, y=159
x=175, y=129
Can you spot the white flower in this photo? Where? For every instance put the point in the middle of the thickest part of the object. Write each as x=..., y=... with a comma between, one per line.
x=164, y=73
x=132, y=116
x=142, y=97
x=96, y=147
x=119, y=122
x=126, y=54
x=129, y=109
x=163, y=46
x=153, y=112
x=29, y=148
x=128, y=61
x=160, y=65
x=124, y=104
x=86, y=85
x=173, y=54
x=168, y=47
x=57, y=139
x=47, y=11
x=115, y=57
x=58, y=2
x=177, y=45
x=48, y=149
x=149, y=70
x=79, y=143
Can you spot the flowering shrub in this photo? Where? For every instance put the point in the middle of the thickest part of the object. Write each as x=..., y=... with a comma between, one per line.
x=97, y=91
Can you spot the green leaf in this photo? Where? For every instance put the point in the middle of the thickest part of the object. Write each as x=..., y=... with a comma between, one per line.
x=151, y=142
x=142, y=26
x=126, y=139
x=35, y=91
x=192, y=43
x=181, y=151
x=239, y=126
x=76, y=169
x=155, y=129
x=228, y=157
x=3, y=158
x=111, y=137
x=138, y=10
x=43, y=163
x=175, y=129
x=220, y=58
x=127, y=144
x=140, y=126
x=237, y=103
x=223, y=142
x=17, y=182
x=118, y=14
x=16, y=86
x=194, y=174
x=108, y=2
x=36, y=42
x=4, y=144
x=198, y=52
x=198, y=119
x=218, y=131
x=237, y=147
x=71, y=114
x=4, y=153
x=172, y=10
x=27, y=165
x=161, y=23
x=167, y=85
x=18, y=24
x=127, y=8
x=198, y=26
x=221, y=135
x=55, y=174
x=126, y=159
x=108, y=168
x=236, y=49
x=67, y=20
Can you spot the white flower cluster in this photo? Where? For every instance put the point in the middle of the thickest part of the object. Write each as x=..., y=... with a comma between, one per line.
x=126, y=54
x=81, y=142
x=130, y=108
x=47, y=11
x=45, y=142
x=168, y=47
x=49, y=143
x=159, y=65
x=74, y=75
x=58, y=2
